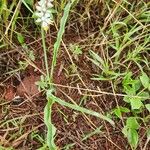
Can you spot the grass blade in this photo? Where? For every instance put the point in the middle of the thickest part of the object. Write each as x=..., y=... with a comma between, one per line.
x=78, y=108
x=50, y=127
x=23, y=1
x=59, y=36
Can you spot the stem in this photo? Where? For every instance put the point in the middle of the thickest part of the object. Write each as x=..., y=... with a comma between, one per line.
x=52, y=70
x=45, y=54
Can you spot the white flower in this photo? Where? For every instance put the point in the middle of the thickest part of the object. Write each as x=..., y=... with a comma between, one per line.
x=42, y=2
x=49, y=4
x=44, y=14
x=46, y=23
x=39, y=14
x=41, y=8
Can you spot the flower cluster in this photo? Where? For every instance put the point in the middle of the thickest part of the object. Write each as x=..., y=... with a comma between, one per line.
x=44, y=13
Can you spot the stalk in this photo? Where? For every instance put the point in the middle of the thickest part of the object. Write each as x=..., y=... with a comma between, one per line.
x=45, y=54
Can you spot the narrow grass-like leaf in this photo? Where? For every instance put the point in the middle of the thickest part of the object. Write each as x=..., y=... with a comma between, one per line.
x=78, y=108
x=96, y=58
x=96, y=131
x=51, y=128
x=59, y=36
x=25, y=3
x=30, y=2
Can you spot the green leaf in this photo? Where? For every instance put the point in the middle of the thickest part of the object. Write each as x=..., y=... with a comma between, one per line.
x=149, y=87
x=20, y=38
x=127, y=79
x=127, y=98
x=125, y=131
x=136, y=85
x=148, y=133
x=30, y=2
x=145, y=80
x=132, y=123
x=136, y=103
x=133, y=138
x=144, y=95
x=76, y=49
x=129, y=90
x=96, y=57
x=94, y=62
x=50, y=127
x=59, y=36
x=119, y=110
x=26, y=4
x=147, y=107
x=124, y=109
x=78, y=108
x=31, y=55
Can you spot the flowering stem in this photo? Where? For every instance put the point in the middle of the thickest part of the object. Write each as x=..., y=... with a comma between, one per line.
x=45, y=54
